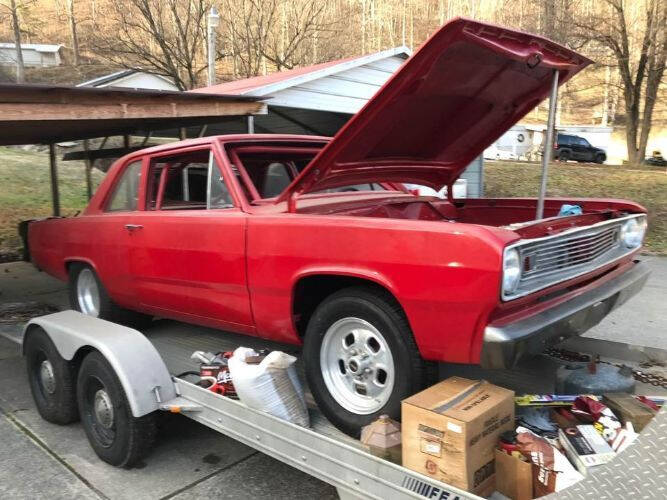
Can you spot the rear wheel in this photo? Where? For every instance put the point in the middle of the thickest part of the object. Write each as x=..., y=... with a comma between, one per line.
x=88, y=295
x=564, y=156
x=116, y=436
x=51, y=378
x=361, y=358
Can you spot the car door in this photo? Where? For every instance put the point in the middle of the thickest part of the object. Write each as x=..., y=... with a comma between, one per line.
x=188, y=245
x=104, y=237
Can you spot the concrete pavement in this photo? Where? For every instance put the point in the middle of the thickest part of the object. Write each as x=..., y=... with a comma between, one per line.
x=190, y=461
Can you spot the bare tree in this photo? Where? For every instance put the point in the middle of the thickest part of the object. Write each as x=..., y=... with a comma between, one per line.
x=641, y=69
x=166, y=37
x=72, y=29
x=280, y=33
x=13, y=8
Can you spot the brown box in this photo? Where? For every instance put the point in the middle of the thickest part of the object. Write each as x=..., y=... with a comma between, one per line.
x=450, y=431
x=514, y=477
x=628, y=409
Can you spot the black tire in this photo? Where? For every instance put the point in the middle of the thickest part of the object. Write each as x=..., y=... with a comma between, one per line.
x=384, y=313
x=564, y=156
x=108, y=310
x=56, y=399
x=600, y=158
x=127, y=439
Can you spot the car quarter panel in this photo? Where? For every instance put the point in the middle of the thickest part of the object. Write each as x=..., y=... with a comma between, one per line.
x=445, y=276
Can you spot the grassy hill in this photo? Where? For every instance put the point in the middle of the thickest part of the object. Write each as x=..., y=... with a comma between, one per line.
x=26, y=191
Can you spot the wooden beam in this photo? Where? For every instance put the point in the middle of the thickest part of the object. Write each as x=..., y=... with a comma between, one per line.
x=55, y=195
x=105, y=110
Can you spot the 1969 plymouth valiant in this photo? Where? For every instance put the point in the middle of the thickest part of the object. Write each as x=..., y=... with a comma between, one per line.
x=314, y=241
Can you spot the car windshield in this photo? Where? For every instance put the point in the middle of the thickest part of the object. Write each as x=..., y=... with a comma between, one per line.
x=265, y=172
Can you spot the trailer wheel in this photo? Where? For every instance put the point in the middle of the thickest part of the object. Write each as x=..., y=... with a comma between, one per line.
x=51, y=378
x=88, y=296
x=361, y=358
x=117, y=437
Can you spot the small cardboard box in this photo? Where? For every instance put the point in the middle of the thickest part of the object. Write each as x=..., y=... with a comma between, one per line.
x=514, y=477
x=585, y=447
x=628, y=409
x=450, y=431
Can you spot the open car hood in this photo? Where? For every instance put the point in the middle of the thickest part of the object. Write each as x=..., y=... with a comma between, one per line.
x=458, y=93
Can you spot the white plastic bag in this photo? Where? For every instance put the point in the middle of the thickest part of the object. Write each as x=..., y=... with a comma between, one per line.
x=271, y=386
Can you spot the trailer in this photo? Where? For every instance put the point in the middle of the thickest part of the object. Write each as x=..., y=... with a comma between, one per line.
x=121, y=368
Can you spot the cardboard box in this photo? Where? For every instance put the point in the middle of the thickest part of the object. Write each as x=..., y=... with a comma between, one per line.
x=514, y=477
x=585, y=447
x=451, y=430
x=628, y=409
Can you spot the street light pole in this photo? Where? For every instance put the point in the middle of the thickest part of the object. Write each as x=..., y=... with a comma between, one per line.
x=548, y=145
x=213, y=22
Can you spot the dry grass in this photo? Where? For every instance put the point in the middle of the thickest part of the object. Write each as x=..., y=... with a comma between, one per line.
x=25, y=191
x=645, y=185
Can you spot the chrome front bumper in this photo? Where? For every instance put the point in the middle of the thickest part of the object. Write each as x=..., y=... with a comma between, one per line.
x=504, y=346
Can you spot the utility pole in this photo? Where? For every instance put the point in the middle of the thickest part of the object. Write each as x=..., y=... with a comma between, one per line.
x=72, y=29
x=20, y=73
x=213, y=22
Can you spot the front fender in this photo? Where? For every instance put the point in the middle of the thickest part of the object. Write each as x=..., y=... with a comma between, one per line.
x=135, y=361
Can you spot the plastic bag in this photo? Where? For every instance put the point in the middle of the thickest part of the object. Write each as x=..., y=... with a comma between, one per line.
x=271, y=386
x=552, y=471
x=566, y=210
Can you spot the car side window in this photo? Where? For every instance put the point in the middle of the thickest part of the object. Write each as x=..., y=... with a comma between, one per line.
x=186, y=181
x=126, y=192
x=584, y=142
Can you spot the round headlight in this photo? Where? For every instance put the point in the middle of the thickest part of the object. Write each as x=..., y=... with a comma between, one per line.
x=632, y=232
x=511, y=271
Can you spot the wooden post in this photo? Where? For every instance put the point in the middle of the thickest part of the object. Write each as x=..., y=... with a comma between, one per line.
x=126, y=141
x=183, y=132
x=55, y=195
x=89, y=167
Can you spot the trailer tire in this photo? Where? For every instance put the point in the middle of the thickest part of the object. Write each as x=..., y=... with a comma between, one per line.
x=116, y=436
x=381, y=321
x=101, y=306
x=52, y=379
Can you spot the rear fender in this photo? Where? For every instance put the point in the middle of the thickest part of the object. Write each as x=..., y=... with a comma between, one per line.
x=139, y=367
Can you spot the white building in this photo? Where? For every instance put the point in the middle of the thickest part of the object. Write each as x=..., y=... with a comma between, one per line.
x=320, y=99
x=34, y=54
x=133, y=79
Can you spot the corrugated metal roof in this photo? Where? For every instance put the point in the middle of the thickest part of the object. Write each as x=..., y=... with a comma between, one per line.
x=39, y=47
x=341, y=86
x=118, y=75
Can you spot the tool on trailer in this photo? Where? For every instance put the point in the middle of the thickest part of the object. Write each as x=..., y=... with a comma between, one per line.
x=214, y=372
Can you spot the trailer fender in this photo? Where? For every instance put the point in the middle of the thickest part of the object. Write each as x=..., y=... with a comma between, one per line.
x=139, y=367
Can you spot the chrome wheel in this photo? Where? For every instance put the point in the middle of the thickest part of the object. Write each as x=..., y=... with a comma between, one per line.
x=88, y=293
x=46, y=377
x=357, y=365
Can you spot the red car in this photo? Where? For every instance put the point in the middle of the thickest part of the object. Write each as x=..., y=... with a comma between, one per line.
x=306, y=240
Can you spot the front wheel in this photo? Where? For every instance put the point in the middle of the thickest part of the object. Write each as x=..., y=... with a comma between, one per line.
x=116, y=436
x=361, y=358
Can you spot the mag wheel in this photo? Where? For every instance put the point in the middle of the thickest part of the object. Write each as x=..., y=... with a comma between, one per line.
x=88, y=296
x=361, y=358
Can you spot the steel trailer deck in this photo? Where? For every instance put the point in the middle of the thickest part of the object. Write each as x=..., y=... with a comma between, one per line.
x=321, y=451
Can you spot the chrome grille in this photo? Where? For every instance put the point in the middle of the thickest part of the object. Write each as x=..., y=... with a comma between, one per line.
x=553, y=259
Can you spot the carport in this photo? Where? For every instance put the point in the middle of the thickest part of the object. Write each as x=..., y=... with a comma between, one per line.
x=47, y=114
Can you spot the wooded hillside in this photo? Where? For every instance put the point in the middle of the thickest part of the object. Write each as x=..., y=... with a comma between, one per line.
x=627, y=39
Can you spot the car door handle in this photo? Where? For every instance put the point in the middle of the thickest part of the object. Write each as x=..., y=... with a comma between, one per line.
x=133, y=227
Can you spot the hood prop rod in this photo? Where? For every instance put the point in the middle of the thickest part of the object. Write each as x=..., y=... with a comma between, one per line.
x=548, y=145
